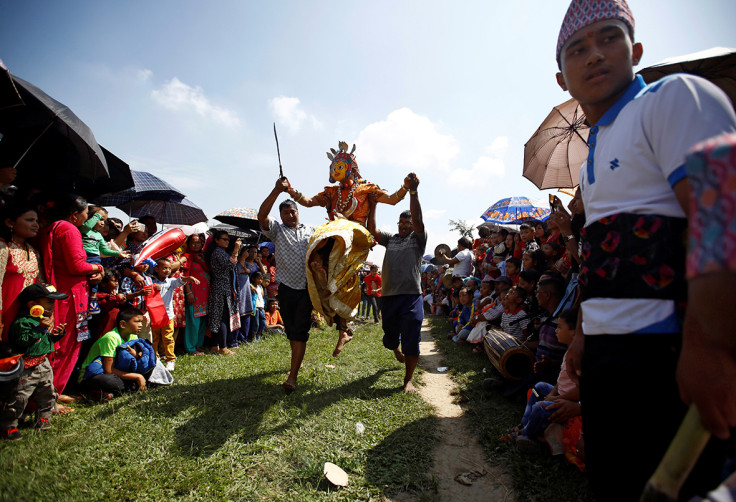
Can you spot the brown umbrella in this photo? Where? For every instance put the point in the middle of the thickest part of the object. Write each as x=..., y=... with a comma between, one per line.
x=554, y=154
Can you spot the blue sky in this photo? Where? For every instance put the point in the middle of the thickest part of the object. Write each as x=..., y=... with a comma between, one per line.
x=451, y=90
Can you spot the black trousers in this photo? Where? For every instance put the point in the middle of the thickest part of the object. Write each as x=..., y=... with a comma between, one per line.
x=631, y=411
x=296, y=311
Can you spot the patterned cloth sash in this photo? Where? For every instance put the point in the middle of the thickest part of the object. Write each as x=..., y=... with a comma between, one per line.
x=628, y=255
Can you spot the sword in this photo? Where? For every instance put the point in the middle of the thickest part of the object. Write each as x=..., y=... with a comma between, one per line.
x=281, y=169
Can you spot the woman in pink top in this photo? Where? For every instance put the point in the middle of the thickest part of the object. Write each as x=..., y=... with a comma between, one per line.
x=66, y=267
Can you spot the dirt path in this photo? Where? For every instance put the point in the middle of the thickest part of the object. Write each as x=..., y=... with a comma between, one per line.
x=458, y=455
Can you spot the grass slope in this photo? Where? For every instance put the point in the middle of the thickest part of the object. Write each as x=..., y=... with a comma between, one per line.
x=226, y=431
x=540, y=477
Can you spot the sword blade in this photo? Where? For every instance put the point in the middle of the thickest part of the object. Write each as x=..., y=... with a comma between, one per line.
x=278, y=151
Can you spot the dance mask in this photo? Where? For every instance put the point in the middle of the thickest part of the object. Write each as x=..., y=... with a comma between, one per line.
x=343, y=163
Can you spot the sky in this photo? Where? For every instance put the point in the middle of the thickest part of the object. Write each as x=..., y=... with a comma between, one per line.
x=189, y=91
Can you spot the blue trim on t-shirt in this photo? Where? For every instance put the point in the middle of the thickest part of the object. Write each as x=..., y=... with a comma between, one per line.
x=632, y=91
x=677, y=175
x=670, y=324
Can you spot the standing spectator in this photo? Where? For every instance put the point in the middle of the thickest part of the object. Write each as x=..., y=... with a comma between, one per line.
x=373, y=290
x=19, y=261
x=196, y=295
x=635, y=186
x=291, y=239
x=402, y=294
x=463, y=261
x=65, y=263
x=223, y=318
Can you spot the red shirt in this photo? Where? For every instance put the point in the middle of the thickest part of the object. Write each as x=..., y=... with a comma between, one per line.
x=373, y=284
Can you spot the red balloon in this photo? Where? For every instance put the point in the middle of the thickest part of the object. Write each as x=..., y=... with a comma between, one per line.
x=160, y=244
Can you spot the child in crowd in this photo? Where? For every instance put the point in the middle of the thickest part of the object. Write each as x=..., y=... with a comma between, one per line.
x=96, y=247
x=513, y=320
x=111, y=299
x=549, y=403
x=462, y=326
x=129, y=286
x=163, y=338
x=33, y=335
x=274, y=322
x=258, y=321
x=113, y=382
x=513, y=267
x=527, y=234
x=473, y=286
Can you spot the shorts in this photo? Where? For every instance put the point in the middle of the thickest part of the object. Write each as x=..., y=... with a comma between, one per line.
x=296, y=312
x=402, y=322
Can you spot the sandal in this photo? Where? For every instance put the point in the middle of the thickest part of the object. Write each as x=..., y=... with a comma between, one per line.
x=226, y=352
x=478, y=350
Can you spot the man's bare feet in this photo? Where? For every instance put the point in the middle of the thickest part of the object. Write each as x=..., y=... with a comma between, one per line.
x=409, y=387
x=63, y=398
x=289, y=386
x=345, y=337
x=399, y=356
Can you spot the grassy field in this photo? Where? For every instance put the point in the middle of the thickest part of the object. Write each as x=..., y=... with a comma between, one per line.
x=226, y=431
x=540, y=477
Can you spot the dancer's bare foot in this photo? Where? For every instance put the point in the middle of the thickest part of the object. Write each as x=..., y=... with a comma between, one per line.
x=399, y=356
x=63, y=398
x=409, y=387
x=345, y=337
x=289, y=386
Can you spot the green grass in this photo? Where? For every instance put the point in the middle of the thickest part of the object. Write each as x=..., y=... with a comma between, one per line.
x=536, y=477
x=226, y=431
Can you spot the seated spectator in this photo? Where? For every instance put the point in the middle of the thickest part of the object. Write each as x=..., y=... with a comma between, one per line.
x=534, y=260
x=274, y=323
x=514, y=319
x=112, y=381
x=526, y=232
x=541, y=232
x=473, y=286
x=547, y=403
x=462, y=326
x=513, y=267
x=33, y=334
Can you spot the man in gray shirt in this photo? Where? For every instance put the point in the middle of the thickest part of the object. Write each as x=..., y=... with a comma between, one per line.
x=291, y=240
x=401, y=302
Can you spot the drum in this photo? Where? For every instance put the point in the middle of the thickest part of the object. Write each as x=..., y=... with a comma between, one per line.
x=508, y=356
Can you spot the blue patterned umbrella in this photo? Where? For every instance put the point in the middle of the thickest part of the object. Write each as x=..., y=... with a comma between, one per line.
x=146, y=186
x=242, y=217
x=183, y=212
x=514, y=211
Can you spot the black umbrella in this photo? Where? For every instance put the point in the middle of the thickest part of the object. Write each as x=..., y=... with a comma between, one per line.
x=247, y=236
x=120, y=179
x=145, y=186
x=46, y=139
x=9, y=95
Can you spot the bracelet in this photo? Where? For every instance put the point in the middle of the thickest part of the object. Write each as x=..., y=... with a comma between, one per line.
x=412, y=192
x=298, y=196
x=400, y=195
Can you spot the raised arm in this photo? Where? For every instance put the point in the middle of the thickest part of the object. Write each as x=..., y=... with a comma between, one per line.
x=282, y=185
x=398, y=195
x=300, y=198
x=416, y=209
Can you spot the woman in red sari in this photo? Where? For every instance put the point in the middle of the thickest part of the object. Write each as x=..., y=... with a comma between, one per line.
x=66, y=267
x=20, y=264
x=195, y=265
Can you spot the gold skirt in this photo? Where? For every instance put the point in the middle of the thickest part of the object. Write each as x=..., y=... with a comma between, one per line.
x=334, y=288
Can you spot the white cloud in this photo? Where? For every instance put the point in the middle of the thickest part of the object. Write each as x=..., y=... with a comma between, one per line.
x=484, y=171
x=288, y=111
x=407, y=140
x=178, y=96
x=144, y=75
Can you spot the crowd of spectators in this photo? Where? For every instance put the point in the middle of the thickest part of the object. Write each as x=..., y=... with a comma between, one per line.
x=524, y=284
x=76, y=308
